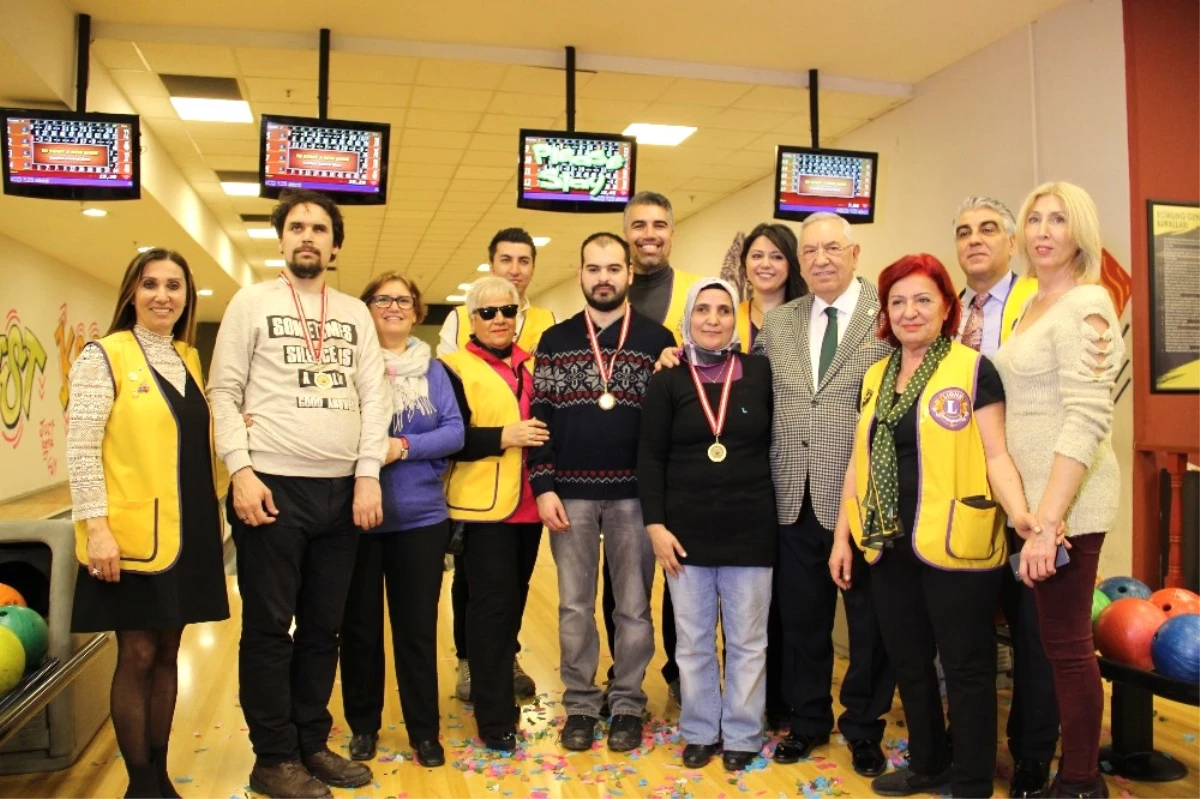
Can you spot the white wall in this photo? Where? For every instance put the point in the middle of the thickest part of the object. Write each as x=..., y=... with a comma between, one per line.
x=50, y=311
x=1047, y=102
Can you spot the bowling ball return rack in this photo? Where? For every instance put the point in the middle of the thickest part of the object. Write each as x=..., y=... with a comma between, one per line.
x=1131, y=711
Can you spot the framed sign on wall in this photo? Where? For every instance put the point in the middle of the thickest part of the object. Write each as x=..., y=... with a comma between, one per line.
x=1174, y=240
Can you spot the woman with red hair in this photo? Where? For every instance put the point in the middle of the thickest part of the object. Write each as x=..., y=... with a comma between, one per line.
x=920, y=500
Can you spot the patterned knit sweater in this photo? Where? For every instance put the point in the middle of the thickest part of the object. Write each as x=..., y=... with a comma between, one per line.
x=592, y=453
x=1058, y=378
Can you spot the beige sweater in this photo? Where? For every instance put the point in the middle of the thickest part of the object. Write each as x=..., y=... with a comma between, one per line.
x=1057, y=403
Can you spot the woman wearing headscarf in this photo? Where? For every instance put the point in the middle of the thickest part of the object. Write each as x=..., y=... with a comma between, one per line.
x=405, y=551
x=704, y=477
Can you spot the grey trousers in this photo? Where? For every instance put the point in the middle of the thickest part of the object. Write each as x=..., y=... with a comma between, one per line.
x=631, y=561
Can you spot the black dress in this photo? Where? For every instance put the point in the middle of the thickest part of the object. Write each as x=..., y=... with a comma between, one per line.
x=193, y=590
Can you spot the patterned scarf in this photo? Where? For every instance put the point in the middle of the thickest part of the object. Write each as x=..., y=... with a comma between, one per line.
x=406, y=375
x=882, y=523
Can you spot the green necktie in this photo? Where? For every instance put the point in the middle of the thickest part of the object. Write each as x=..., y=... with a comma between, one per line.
x=828, y=344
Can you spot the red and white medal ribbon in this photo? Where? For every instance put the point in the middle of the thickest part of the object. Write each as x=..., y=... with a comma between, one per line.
x=716, y=451
x=607, y=401
x=314, y=348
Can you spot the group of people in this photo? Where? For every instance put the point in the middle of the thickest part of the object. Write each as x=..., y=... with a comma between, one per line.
x=931, y=455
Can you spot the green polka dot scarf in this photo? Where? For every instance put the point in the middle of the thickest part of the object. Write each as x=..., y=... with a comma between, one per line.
x=881, y=526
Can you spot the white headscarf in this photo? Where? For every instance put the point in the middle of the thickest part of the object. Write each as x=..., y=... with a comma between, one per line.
x=406, y=375
x=695, y=353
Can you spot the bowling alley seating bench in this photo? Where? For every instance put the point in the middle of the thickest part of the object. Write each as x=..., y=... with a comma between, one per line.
x=1131, y=716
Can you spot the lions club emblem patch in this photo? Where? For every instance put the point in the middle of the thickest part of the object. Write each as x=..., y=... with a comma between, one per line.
x=951, y=408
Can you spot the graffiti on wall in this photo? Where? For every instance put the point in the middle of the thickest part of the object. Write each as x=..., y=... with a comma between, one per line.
x=71, y=341
x=22, y=369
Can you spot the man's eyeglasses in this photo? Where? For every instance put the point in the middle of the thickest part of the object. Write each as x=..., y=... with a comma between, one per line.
x=488, y=312
x=384, y=301
x=833, y=250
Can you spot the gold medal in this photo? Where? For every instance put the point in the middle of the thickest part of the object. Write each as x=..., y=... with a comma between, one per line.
x=323, y=381
x=716, y=422
x=716, y=452
x=607, y=401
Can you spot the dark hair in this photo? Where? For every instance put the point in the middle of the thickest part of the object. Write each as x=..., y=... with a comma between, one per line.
x=290, y=199
x=604, y=239
x=125, y=315
x=374, y=284
x=650, y=198
x=784, y=238
x=919, y=264
x=516, y=235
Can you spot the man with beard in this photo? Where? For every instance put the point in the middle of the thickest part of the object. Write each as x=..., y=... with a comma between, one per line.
x=589, y=380
x=302, y=362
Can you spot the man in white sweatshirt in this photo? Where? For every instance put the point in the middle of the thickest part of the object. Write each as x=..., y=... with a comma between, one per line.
x=303, y=362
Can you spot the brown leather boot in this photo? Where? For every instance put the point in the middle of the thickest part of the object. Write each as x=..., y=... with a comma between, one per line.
x=337, y=771
x=287, y=780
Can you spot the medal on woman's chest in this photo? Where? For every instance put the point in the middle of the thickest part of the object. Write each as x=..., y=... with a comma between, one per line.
x=716, y=422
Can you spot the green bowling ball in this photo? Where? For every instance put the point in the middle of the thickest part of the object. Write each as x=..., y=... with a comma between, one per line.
x=1100, y=601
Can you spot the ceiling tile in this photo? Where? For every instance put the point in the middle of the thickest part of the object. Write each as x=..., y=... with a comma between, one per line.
x=189, y=59
x=622, y=86
x=359, y=113
x=442, y=120
x=139, y=83
x=541, y=80
x=774, y=98
x=510, y=125
x=423, y=155
x=758, y=121
x=409, y=170
x=514, y=104
x=282, y=90
x=261, y=62
x=158, y=108
x=448, y=99
x=485, y=173
x=703, y=92
x=440, y=139
x=375, y=68
x=387, y=95
x=232, y=163
x=118, y=55
x=459, y=74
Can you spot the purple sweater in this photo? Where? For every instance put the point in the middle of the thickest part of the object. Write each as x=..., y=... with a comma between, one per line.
x=413, y=495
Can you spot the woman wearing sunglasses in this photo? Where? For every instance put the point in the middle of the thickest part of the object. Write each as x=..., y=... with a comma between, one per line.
x=488, y=491
x=406, y=550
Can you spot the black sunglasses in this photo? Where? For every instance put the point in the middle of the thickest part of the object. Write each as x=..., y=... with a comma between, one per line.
x=488, y=312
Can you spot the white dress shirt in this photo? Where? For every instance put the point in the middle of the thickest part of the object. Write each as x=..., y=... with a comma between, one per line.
x=818, y=321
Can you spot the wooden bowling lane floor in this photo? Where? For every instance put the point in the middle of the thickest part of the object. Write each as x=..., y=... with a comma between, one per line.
x=211, y=757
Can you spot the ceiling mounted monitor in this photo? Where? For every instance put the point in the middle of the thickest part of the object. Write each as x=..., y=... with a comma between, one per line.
x=63, y=155
x=575, y=172
x=812, y=179
x=346, y=160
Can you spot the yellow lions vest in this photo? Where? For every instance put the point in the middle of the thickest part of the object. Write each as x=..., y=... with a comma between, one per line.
x=679, y=291
x=1022, y=289
x=537, y=321
x=140, y=454
x=743, y=325
x=486, y=490
x=948, y=534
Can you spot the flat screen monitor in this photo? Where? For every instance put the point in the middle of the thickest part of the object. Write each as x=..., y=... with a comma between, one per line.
x=811, y=179
x=575, y=172
x=63, y=155
x=347, y=160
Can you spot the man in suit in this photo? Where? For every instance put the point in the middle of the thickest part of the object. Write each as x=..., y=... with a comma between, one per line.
x=985, y=238
x=820, y=346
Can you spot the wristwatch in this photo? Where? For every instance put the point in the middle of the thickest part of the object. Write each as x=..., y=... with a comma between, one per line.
x=404, y=448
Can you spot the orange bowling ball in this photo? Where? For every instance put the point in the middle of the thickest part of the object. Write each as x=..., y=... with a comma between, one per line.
x=10, y=596
x=1176, y=601
x=1124, y=629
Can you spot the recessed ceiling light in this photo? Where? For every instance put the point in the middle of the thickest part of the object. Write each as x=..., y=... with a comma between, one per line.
x=485, y=267
x=670, y=135
x=456, y=298
x=464, y=286
x=145, y=249
x=270, y=262
x=204, y=109
x=261, y=232
x=541, y=241
x=94, y=212
x=234, y=189
x=205, y=292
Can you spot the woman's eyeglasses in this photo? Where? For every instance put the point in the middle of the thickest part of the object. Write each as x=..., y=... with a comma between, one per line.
x=488, y=312
x=384, y=301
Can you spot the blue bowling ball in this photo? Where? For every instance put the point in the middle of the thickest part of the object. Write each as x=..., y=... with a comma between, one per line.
x=1124, y=588
x=1175, y=648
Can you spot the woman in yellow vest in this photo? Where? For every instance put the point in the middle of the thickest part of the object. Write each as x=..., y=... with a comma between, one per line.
x=929, y=452
x=772, y=268
x=487, y=489
x=147, y=527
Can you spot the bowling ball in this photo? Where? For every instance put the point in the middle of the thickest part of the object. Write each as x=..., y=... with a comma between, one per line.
x=10, y=596
x=1176, y=601
x=12, y=660
x=1175, y=648
x=1124, y=587
x=1100, y=601
x=31, y=628
x=1124, y=630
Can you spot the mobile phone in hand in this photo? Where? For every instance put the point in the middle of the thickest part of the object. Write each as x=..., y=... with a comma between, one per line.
x=1061, y=558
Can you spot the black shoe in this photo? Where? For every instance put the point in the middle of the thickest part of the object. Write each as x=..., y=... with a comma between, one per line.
x=429, y=753
x=578, y=733
x=501, y=743
x=798, y=746
x=698, y=755
x=336, y=771
x=362, y=745
x=1030, y=779
x=868, y=758
x=904, y=783
x=624, y=733
x=737, y=761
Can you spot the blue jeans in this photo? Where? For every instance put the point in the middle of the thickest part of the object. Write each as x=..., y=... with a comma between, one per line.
x=742, y=594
